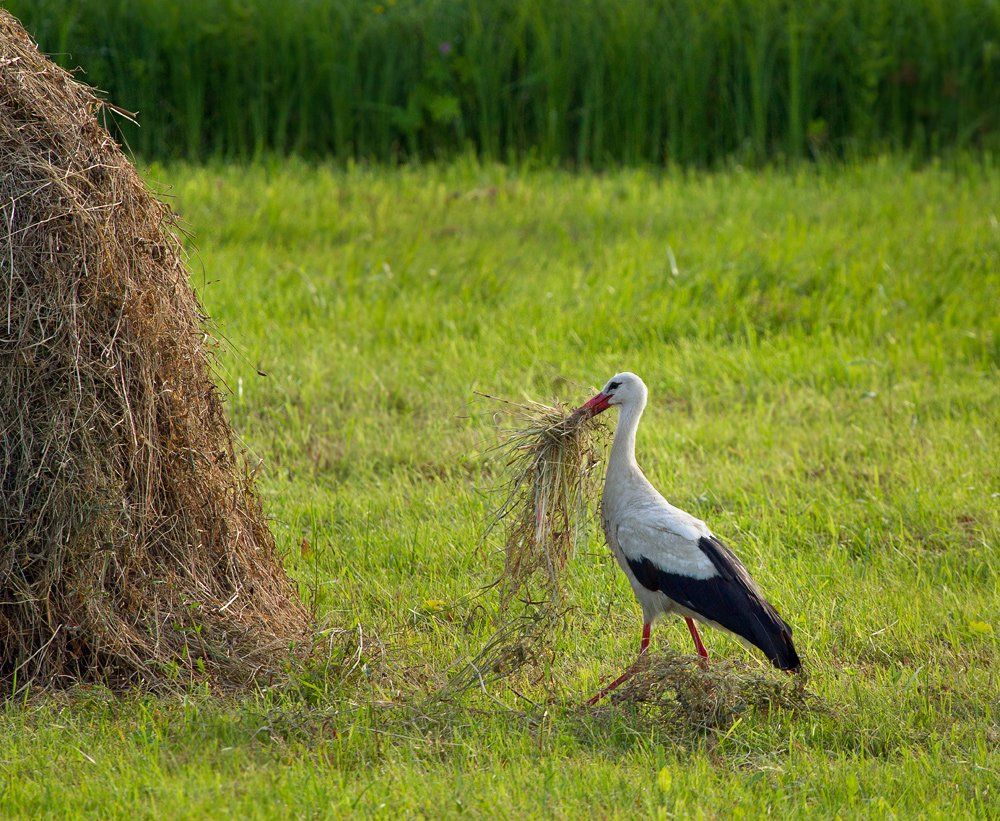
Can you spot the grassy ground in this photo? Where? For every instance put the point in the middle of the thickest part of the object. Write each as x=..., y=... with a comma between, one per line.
x=822, y=364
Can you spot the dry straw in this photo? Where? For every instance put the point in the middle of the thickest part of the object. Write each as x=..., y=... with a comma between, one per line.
x=132, y=545
x=691, y=693
x=553, y=458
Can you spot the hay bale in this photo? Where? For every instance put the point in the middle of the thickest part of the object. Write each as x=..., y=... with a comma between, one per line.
x=132, y=545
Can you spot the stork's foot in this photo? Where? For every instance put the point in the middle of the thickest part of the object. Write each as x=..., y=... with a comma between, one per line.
x=643, y=644
x=698, y=645
x=612, y=686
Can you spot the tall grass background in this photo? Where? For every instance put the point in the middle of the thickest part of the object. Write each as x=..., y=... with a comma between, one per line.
x=587, y=82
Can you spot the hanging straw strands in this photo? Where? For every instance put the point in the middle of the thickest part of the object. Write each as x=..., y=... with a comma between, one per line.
x=552, y=456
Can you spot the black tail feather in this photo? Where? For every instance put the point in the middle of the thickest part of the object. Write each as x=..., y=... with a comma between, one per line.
x=774, y=639
x=730, y=600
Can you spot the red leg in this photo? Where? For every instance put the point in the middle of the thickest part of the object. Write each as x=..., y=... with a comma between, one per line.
x=628, y=673
x=697, y=638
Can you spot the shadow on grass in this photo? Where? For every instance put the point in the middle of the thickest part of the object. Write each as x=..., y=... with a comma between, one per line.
x=504, y=691
x=355, y=704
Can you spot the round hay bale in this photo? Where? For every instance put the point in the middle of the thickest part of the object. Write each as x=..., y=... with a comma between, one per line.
x=133, y=549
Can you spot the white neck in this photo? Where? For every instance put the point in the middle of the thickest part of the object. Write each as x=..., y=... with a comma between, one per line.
x=622, y=459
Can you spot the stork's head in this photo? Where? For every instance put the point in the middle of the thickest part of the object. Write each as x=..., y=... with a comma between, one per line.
x=621, y=389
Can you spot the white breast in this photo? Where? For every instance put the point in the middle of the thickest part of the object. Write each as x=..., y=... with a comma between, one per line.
x=646, y=524
x=640, y=524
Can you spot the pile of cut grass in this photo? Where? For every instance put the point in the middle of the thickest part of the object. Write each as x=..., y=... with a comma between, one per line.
x=685, y=690
x=133, y=546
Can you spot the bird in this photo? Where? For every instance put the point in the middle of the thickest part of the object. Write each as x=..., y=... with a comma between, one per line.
x=673, y=561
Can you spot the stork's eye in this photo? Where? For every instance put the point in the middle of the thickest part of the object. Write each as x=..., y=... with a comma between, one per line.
x=613, y=385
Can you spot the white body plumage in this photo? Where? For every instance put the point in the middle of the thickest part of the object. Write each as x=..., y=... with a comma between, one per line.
x=673, y=561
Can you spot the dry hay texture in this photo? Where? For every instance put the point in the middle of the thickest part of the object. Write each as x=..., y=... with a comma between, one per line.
x=688, y=692
x=552, y=459
x=133, y=549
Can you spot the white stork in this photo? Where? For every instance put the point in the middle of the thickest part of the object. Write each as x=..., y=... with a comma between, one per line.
x=674, y=563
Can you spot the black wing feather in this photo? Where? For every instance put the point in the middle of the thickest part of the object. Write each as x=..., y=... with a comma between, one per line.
x=730, y=599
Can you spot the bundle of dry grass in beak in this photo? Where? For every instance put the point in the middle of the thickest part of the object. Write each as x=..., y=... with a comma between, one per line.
x=553, y=457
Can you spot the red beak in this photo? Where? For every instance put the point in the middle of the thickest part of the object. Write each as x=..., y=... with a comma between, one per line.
x=596, y=405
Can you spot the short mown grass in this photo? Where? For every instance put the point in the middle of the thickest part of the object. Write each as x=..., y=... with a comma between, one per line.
x=821, y=350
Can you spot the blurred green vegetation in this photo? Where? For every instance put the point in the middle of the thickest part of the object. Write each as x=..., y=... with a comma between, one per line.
x=582, y=82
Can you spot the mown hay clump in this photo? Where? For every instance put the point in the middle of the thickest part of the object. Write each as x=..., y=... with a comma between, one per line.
x=132, y=545
x=689, y=692
x=552, y=458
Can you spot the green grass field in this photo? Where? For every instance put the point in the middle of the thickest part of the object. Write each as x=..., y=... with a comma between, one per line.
x=822, y=361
